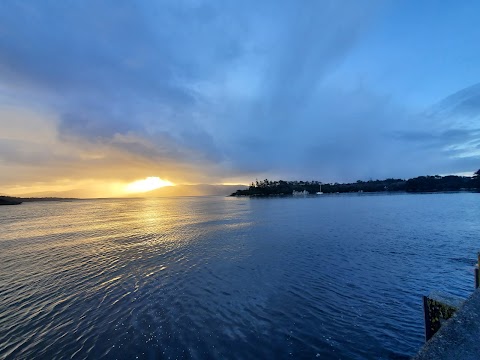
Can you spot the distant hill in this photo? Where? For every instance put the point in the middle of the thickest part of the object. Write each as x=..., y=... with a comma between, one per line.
x=13, y=200
x=192, y=190
x=178, y=190
x=7, y=200
x=75, y=193
x=418, y=184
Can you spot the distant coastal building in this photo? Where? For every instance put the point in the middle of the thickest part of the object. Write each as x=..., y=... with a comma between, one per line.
x=300, y=193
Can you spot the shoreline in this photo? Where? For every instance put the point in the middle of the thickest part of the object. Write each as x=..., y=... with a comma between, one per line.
x=356, y=193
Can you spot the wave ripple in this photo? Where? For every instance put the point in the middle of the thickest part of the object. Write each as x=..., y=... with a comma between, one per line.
x=201, y=278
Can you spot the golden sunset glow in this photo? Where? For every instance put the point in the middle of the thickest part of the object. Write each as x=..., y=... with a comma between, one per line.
x=148, y=184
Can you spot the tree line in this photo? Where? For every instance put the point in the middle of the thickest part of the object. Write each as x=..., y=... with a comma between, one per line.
x=434, y=183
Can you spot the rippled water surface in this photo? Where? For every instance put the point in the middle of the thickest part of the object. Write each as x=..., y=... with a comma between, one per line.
x=327, y=277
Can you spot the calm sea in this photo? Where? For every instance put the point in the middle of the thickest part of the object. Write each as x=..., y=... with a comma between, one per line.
x=329, y=277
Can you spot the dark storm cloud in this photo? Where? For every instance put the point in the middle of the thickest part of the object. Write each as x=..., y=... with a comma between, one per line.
x=440, y=139
x=240, y=85
x=117, y=67
x=465, y=102
x=449, y=134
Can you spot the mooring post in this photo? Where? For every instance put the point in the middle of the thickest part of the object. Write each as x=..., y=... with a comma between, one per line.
x=426, y=315
x=436, y=312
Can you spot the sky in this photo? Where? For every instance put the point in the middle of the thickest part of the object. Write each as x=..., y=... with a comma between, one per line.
x=95, y=95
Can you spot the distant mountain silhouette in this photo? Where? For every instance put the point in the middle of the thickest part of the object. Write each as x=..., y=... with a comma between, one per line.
x=192, y=190
x=178, y=190
x=75, y=193
x=7, y=200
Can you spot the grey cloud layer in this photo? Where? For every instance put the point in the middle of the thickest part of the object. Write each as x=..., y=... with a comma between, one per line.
x=234, y=85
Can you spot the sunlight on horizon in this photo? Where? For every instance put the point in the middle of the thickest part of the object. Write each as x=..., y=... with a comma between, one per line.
x=147, y=184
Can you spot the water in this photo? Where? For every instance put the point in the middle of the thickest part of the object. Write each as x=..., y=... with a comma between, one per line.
x=330, y=277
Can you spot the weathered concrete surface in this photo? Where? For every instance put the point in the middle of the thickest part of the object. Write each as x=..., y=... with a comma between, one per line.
x=459, y=338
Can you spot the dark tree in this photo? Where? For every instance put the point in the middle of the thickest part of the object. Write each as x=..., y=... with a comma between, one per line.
x=476, y=179
x=418, y=184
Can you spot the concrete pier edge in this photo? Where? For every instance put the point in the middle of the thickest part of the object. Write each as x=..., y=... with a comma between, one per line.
x=459, y=337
